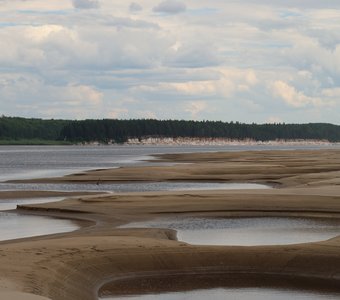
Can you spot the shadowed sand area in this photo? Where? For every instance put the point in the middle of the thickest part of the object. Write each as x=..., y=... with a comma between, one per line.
x=75, y=265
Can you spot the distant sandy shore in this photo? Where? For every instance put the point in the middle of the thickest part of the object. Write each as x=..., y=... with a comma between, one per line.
x=76, y=265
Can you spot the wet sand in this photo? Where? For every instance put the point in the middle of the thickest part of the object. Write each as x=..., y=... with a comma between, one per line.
x=75, y=265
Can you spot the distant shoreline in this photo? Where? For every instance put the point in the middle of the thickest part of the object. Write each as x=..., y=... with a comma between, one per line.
x=223, y=141
x=14, y=130
x=181, y=141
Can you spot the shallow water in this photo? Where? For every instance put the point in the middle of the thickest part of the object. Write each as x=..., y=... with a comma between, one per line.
x=24, y=162
x=246, y=231
x=130, y=187
x=14, y=226
x=234, y=294
x=7, y=204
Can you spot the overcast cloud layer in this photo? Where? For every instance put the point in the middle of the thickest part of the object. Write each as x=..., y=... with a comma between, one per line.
x=249, y=61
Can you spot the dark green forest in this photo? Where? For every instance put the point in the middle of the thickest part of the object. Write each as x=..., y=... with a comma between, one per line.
x=14, y=129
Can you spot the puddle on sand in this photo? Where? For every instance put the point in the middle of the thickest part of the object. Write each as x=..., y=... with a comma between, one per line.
x=14, y=226
x=246, y=231
x=233, y=294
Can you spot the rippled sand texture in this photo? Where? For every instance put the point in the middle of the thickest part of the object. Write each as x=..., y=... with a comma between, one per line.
x=75, y=265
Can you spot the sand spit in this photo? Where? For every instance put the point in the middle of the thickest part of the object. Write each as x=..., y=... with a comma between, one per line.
x=284, y=168
x=75, y=265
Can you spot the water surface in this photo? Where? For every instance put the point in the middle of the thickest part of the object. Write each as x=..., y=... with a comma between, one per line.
x=24, y=162
x=246, y=231
x=129, y=186
x=14, y=226
x=234, y=294
x=7, y=204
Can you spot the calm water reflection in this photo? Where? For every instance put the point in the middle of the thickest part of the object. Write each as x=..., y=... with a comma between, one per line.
x=22, y=162
x=234, y=294
x=247, y=231
x=13, y=226
x=131, y=187
x=19, y=162
x=7, y=204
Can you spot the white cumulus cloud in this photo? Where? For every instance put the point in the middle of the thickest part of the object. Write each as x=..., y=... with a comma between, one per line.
x=217, y=60
x=291, y=96
x=196, y=107
x=82, y=95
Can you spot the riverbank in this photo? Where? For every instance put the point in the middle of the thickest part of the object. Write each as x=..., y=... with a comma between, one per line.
x=206, y=141
x=75, y=265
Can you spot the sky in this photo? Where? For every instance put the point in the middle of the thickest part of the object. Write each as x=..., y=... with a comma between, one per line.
x=262, y=61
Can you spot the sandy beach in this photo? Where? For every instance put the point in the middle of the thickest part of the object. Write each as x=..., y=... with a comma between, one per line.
x=76, y=265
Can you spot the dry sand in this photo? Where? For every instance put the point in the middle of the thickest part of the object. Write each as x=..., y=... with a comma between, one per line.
x=75, y=265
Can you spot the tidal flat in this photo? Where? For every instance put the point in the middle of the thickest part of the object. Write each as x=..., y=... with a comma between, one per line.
x=76, y=265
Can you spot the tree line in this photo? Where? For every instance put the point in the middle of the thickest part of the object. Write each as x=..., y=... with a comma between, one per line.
x=14, y=129
x=119, y=131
